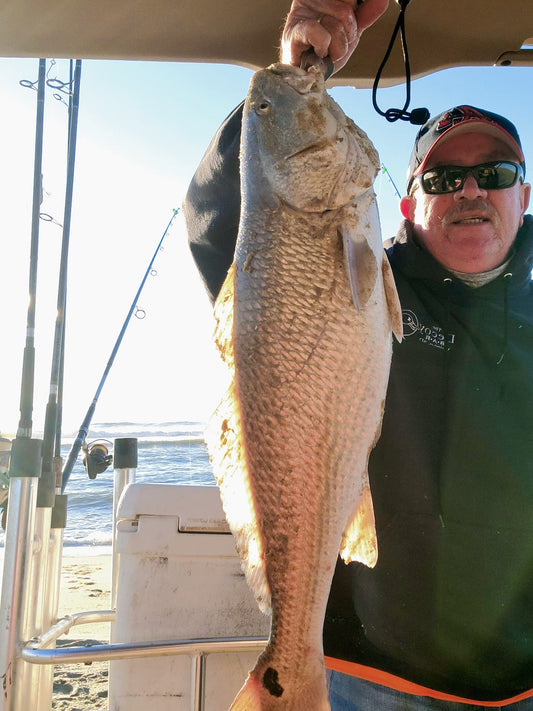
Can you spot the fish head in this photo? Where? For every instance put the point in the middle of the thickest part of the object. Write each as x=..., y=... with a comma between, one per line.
x=306, y=150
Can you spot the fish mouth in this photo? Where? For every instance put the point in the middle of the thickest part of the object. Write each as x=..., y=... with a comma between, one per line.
x=304, y=82
x=314, y=147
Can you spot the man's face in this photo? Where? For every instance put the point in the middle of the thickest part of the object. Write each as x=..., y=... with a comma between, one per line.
x=471, y=230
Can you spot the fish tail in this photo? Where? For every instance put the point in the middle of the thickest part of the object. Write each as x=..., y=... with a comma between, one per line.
x=263, y=692
x=249, y=697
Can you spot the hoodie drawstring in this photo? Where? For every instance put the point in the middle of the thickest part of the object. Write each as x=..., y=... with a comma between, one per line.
x=507, y=282
x=447, y=282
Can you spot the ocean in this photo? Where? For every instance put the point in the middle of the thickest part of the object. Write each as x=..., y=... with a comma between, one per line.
x=168, y=452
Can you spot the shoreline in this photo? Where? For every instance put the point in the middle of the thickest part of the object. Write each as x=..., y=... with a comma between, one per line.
x=71, y=551
x=86, y=551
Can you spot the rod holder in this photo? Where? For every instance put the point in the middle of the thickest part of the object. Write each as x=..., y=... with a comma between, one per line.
x=26, y=456
x=125, y=453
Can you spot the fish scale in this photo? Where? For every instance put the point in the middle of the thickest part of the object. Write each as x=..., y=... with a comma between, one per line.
x=304, y=322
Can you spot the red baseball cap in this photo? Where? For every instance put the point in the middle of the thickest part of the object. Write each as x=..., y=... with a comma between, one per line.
x=460, y=119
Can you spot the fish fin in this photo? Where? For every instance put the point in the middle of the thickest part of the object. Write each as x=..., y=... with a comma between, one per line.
x=249, y=697
x=224, y=444
x=223, y=312
x=359, y=541
x=361, y=265
x=393, y=300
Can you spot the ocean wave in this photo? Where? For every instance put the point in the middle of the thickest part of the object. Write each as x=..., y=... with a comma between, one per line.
x=100, y=538
x=145, y=433
x=97, y=539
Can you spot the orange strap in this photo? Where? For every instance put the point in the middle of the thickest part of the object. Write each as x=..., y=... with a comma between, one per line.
x=408, y=687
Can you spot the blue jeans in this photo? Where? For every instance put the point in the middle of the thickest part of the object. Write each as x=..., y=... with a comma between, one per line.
x=348, y=693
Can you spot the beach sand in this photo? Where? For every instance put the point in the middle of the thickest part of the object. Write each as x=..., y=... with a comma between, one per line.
x=85, y=585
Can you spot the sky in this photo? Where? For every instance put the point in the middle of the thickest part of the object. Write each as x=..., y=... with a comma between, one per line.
x=143, y=128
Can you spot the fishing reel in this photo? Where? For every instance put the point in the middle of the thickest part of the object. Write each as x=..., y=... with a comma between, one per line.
x=96, y=457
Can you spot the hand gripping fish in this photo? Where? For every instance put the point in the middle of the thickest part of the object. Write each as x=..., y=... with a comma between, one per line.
x=304, y=322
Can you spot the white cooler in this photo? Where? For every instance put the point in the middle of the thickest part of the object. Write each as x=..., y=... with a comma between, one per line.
x=179, y=577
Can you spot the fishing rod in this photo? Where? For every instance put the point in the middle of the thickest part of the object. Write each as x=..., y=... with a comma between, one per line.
x=389, y=176
x=28, y=362
x=84, y=428
x=47, y=488
x=17, y=602
x=72, y=106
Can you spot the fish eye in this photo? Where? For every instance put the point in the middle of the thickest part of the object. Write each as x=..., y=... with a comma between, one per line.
x=262, y=107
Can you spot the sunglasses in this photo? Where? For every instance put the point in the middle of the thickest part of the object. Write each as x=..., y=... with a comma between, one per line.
x=496, y=175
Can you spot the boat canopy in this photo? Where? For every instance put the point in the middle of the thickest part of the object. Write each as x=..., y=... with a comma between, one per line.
x=246, y=32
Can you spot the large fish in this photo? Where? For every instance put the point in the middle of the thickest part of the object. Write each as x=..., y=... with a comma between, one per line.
x=304, y=322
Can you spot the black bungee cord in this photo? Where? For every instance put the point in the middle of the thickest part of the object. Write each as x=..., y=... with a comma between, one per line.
x=416, y=116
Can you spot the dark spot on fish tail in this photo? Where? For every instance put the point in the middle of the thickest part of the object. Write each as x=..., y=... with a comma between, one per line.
x=271, y=683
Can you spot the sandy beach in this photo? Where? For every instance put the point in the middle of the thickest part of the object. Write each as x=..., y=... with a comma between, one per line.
x=85, y=585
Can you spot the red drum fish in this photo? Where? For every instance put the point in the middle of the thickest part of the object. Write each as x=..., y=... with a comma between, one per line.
x=304, y=322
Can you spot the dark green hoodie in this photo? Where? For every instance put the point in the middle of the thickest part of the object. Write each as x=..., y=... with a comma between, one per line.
x=450, y=602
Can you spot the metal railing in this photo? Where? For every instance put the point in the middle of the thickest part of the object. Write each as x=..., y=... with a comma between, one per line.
x=36, y=651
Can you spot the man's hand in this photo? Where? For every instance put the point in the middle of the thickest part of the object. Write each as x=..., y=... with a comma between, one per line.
x=330, y=27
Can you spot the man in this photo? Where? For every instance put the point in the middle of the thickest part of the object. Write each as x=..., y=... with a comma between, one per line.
x=445, y=619
x=451, y=474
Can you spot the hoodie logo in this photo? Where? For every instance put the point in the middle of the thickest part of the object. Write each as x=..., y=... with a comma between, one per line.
x=429, y=335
